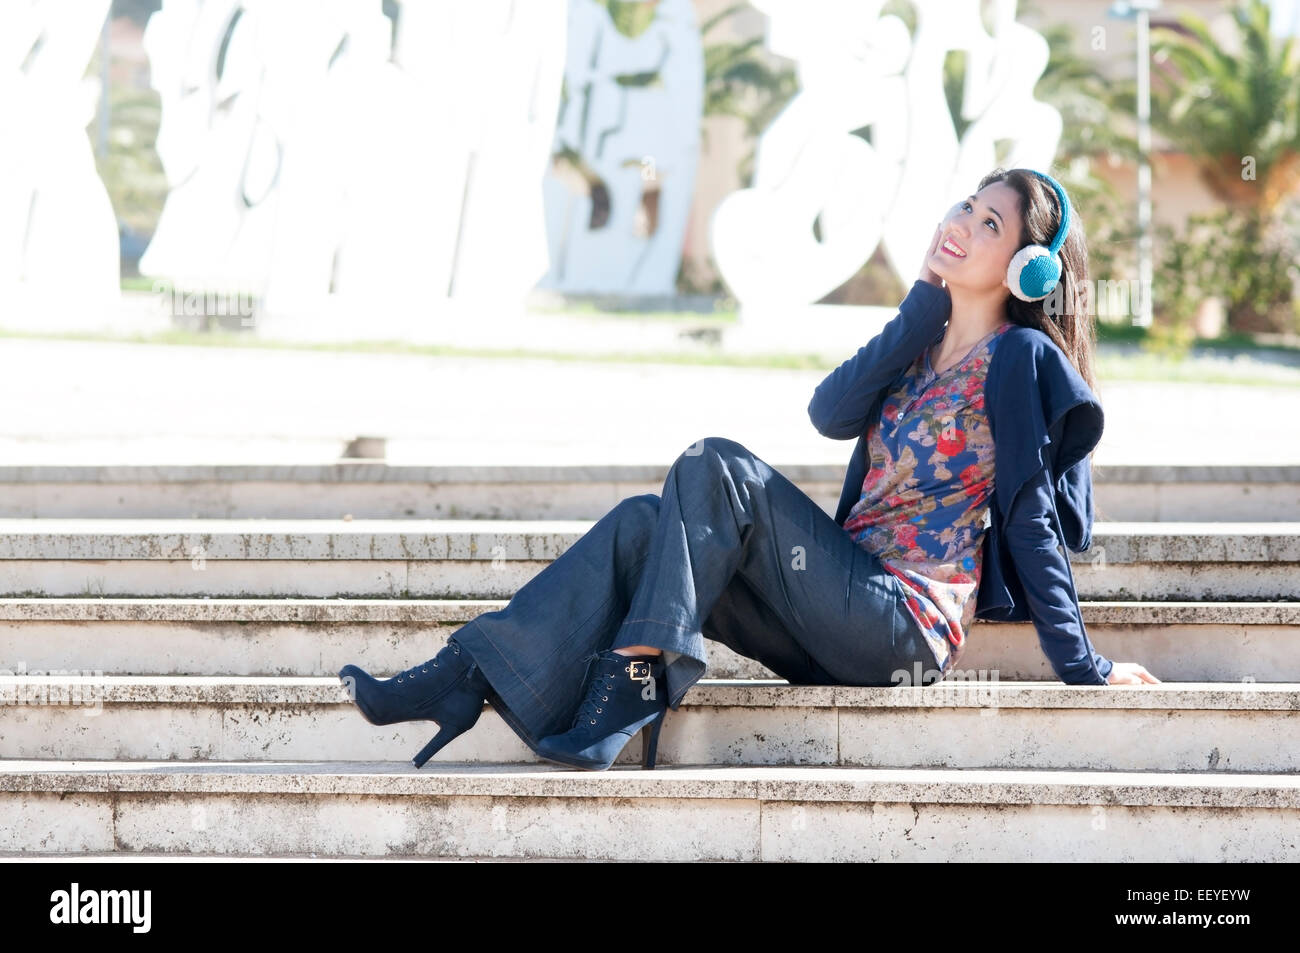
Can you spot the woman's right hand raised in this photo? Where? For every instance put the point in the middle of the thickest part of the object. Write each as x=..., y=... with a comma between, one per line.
x=1129, y=673
x=927, y=273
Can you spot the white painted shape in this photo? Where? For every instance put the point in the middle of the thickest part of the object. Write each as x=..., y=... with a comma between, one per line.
x=405, y=170
x=59, y=258
x=858, y=69
x=631, y=135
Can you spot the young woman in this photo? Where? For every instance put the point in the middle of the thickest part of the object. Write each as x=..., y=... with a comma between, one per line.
x=975, y=420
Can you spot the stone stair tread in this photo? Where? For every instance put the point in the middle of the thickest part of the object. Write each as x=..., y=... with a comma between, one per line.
x=57, y=525
x=372, y=471
x=707, y=692
x=171, y=857
x=403, y=540
x=361, y=609
x=750, y=782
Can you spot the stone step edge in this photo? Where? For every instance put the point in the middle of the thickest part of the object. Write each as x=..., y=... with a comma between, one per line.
x=347, y=472
x=153, y=857
x=63, y=690
x=206, y=526
x=348, y=610
x=404, y=540
x=756, y=782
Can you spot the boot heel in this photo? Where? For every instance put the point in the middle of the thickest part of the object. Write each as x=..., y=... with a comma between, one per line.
x=650, y=741
x=445, y=735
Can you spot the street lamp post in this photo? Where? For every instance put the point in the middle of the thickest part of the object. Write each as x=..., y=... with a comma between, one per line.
x=1141, y=11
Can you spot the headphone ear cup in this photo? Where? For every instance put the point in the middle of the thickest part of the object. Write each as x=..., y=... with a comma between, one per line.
x=1033, y=273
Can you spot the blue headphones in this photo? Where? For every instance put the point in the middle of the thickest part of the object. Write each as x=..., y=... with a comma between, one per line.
x=1035, y=270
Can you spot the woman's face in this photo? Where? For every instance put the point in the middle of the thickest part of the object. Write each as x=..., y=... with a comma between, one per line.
x=987, y=228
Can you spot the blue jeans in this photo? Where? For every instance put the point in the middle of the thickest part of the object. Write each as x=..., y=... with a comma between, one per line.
x=730, y=551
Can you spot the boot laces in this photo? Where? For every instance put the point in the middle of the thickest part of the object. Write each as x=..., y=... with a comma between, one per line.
x=424, y=667
x=593, y=706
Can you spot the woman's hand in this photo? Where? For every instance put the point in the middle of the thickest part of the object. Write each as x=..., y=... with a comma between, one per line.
x=1129, y=673
x=927, y=273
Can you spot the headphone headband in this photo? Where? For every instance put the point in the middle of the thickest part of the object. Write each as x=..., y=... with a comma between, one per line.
x=1035, y=270
x=1064, y=202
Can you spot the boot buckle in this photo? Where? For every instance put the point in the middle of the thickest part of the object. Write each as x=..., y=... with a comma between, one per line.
x=638, y=670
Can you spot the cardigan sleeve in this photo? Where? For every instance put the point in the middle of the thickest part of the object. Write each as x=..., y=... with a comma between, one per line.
x=1044, y=414
x=842, y=404
x=1044, y=571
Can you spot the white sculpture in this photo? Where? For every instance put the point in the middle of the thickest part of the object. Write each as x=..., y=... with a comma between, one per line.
x=641, y=141
x=488, y=73
x=332, y=168
x=858, y=69
x=59, y=257
x=220, y=151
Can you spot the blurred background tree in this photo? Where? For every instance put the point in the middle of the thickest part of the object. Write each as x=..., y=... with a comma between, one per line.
x=1234, y=108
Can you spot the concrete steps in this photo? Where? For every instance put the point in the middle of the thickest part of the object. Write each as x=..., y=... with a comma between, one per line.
x=173, y=635
x=461, y=559
x=1182, y=641
x=371, y=489
x=700, y=813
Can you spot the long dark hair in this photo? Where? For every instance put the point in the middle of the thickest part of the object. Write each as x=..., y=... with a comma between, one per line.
x=1066, y=317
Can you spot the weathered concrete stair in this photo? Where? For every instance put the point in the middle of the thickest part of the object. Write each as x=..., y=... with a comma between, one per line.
x=213, y=658
x=702, y=813
x=494, y=558
x=376, y=490
x=1174, y=726
x=1179, y=641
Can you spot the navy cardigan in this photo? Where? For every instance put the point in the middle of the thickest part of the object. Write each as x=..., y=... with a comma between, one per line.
x=1044, y=420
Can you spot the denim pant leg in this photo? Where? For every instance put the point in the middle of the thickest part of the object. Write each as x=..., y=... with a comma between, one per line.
x=724, y=513
x=535, y=652
x=744, y=622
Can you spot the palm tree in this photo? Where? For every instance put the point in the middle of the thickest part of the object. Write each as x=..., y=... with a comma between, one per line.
x=1237, y=115
x=1221, y=108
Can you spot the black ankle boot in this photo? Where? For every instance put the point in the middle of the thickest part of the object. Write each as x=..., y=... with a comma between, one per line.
x=449, y=689
x=625, y=694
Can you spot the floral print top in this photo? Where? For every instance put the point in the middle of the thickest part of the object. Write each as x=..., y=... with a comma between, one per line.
x=925, y=499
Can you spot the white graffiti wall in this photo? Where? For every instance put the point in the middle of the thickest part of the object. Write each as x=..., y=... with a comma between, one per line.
x=627, y=144
x=325, y=155
x=823, y=197
x=355, y=158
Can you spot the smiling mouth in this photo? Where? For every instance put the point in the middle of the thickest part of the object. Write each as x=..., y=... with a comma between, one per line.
x=949, y=248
